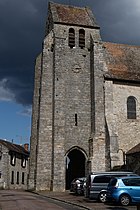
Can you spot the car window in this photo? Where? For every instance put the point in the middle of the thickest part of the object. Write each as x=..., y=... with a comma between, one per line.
x=113, y=182
x=102, y=179
x=131, y=182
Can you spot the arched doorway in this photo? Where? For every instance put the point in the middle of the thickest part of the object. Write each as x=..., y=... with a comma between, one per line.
x=75, y=166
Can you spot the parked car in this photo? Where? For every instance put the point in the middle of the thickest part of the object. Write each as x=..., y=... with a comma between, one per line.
x=125, y=190
x=77, y=185
x=96, y=184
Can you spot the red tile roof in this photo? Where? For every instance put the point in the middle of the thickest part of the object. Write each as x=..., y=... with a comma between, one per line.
x=72, y=15
x=123, y=61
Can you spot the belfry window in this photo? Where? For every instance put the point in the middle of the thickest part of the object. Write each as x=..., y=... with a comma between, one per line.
x=82, y=38
x=71, y=38
x=131, y=107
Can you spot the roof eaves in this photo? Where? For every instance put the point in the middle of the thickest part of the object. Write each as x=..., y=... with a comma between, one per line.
x=80, y=25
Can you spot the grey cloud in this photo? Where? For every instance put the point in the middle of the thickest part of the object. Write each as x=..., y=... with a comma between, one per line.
x=22, y=31
x=22, y=24
x=27, y=111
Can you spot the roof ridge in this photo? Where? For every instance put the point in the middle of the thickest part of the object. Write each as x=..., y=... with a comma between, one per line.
x=66, y=5
x=121, y=44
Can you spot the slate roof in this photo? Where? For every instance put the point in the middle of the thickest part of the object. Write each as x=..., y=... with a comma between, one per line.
x=123, y=61
x=14, y=147
x=135, y=149
x=72, y=15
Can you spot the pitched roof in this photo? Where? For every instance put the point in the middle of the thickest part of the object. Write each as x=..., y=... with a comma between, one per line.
x=135, y=149
x=14, y=147
x=72, y=15
x=123, y=61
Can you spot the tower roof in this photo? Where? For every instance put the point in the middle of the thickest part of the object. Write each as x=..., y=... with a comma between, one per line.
x=71, y=15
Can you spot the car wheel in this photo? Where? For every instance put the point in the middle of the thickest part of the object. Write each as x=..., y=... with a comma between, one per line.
x=102, y=197
x=125, y=200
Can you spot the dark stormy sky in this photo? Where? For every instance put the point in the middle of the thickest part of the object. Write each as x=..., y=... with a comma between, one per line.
x=22, y=27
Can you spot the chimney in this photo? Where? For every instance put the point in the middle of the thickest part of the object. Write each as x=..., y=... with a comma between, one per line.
x=26, y=147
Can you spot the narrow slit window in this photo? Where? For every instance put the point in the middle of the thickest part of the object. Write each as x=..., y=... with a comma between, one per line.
x=12, y=177
x=82, y=38
x=71, y=38
x=23, y=177
x=76, y=123
x=18, y=177
x=131, y=107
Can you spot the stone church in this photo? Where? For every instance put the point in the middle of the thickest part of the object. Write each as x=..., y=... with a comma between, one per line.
x=86, y=104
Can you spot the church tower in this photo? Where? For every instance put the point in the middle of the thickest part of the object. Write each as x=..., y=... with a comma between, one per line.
x=68, y=120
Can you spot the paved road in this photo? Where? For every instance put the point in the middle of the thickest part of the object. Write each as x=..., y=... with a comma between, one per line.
x=82, y=201
x=21, y=200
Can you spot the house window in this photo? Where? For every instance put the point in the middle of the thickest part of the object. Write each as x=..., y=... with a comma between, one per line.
x=17, y=177
x=13, y=159
x=23, y=177
x=82, y=38
x=131, y=107
x=23, y=162
x=71, y=37
x=0, y=174
x=12, y=177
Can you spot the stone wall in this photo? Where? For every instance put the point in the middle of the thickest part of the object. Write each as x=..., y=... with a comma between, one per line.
x=4, y=168
x=99, y=138
x=124, y=133
x=66, y=91
x=6, y=171
x=75, y=106
x=45, y=119
x=35, y=123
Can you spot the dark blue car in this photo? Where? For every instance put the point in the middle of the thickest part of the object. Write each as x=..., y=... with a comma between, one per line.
x=125, y=190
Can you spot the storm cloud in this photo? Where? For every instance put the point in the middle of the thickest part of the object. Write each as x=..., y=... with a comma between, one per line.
x=22, y=31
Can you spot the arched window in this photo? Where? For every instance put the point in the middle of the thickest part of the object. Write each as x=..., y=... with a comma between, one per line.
x=71, y=37
x=131, y=107
x=13, y=158
x=23, y=162
x=81, y=38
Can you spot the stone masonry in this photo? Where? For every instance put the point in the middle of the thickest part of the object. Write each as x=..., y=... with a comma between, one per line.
x=80, y=100
x=14, y=167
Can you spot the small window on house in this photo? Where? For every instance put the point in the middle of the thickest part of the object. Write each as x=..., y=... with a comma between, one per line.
x=82, y=38
x=13, y=159
x=17, y=177
x=23, y=162
x=12, y=177
x=71, y=37
x=23, y=177
x=131, y=107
